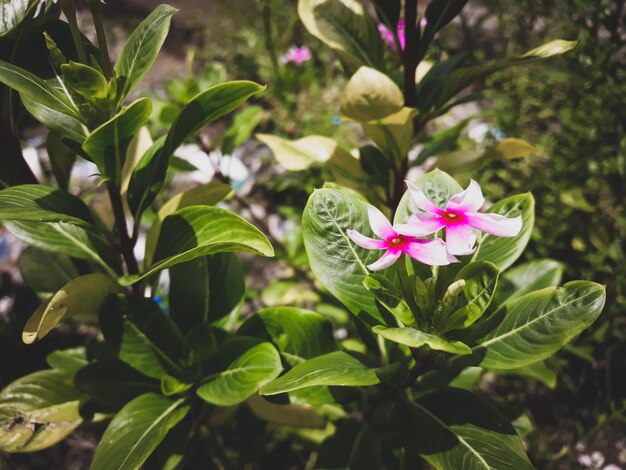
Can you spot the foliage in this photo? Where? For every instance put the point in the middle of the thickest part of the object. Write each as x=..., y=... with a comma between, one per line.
x=174, y=381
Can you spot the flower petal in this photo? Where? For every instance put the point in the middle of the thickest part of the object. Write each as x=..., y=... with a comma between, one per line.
x=430, y=251
x=379, y=223
x=420, y=199
x=385, y=261
x=495, y=224
x=366, y=242
x=460, y=239
x=420, y=224
x=469, y=200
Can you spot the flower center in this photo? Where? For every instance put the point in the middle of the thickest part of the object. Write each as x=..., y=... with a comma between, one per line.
x=451, y=216
x=396, y=242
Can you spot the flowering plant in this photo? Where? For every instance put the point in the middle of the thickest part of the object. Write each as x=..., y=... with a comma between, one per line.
x=187, y=382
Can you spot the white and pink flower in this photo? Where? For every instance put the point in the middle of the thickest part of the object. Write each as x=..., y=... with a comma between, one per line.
x=431, y=251
x=296, y=55
x=458, y=218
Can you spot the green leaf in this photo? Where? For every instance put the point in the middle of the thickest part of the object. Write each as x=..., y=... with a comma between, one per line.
x=31, y=86
x=243, y=366
x=481, y=280
x=81, y=297
x=45, y=272
x=69, y=361
x=463, y=77
x=416, y=339
x=86, y=81
x=39, y=203
x=353, y=446
x=37, y=411
x=208, y=106
x=455, y=429
x=172, y=386
x=437, y=185
x=370, y=95
x=528, y=277
x=336, y=369
x=292, y=415
x=297, y=333
x=12, y=13
x=534, y=326
x=142, y=48
x=241, y=129
x=328, y=215
x=136, y=431
x=503, y=252
x=68, y=239
x=389, y=297
x=538, y=371
x=112, y=382
x=200, y=231
x=62, y=159
x=297, y=155
x=204, y=195
x=205, y=289
x=345, y=27
x=66, y=126
x=106, y=146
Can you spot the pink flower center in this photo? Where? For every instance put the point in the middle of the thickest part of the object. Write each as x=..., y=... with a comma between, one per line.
x=396, y=242
x=451, y=217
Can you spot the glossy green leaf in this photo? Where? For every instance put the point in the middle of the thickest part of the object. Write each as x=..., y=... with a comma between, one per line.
x=481, y=280
x=66, y=126
x=204, y=195
x=62, y=159
x=244, y=365
x=292, y=415
x=370, y=95
x=39, y=203
x=69, y=361
x=345, y=27
x=437, y=185
x=455, y=429
x=328, y=215
x=33, y=87
x=416, y=339
x=107, y=145
x=538, y=371
x=205, y=289
x=503, y=252
x=172, y=386
x=81, y=297
x=84, y=80
x=142, y=48
x=528, y=277
x=298, y=334
x=205, y=108
x=37, y=411
x=12, y=13
x=68, y=239
x=335, y=369
x=389, y=297
x=200, y=231
x=534, y=326
x=136, y=431
x=45, y=272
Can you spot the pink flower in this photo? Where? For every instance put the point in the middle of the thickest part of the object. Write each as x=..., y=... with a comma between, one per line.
x=459, y=217
x=387, y=35
x=297, y=55
x=430, y=251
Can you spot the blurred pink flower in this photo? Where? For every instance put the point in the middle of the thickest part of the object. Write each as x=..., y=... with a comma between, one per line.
x=387, y=34
x=459, y=217
x=297, y=55
x=430, y=251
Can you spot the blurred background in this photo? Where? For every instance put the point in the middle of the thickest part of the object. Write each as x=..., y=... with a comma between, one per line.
x=571, y=109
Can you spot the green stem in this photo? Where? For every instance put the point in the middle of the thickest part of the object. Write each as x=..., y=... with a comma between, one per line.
x=96, y=14
x=268, y=41
x=69, y=10
x=407, y=289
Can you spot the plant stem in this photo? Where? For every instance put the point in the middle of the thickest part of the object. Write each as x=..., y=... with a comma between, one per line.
x=407, y=289
x=410, y=52
x=96, y=14
x=69, y=10
x=126, y=243
x=268, y=40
